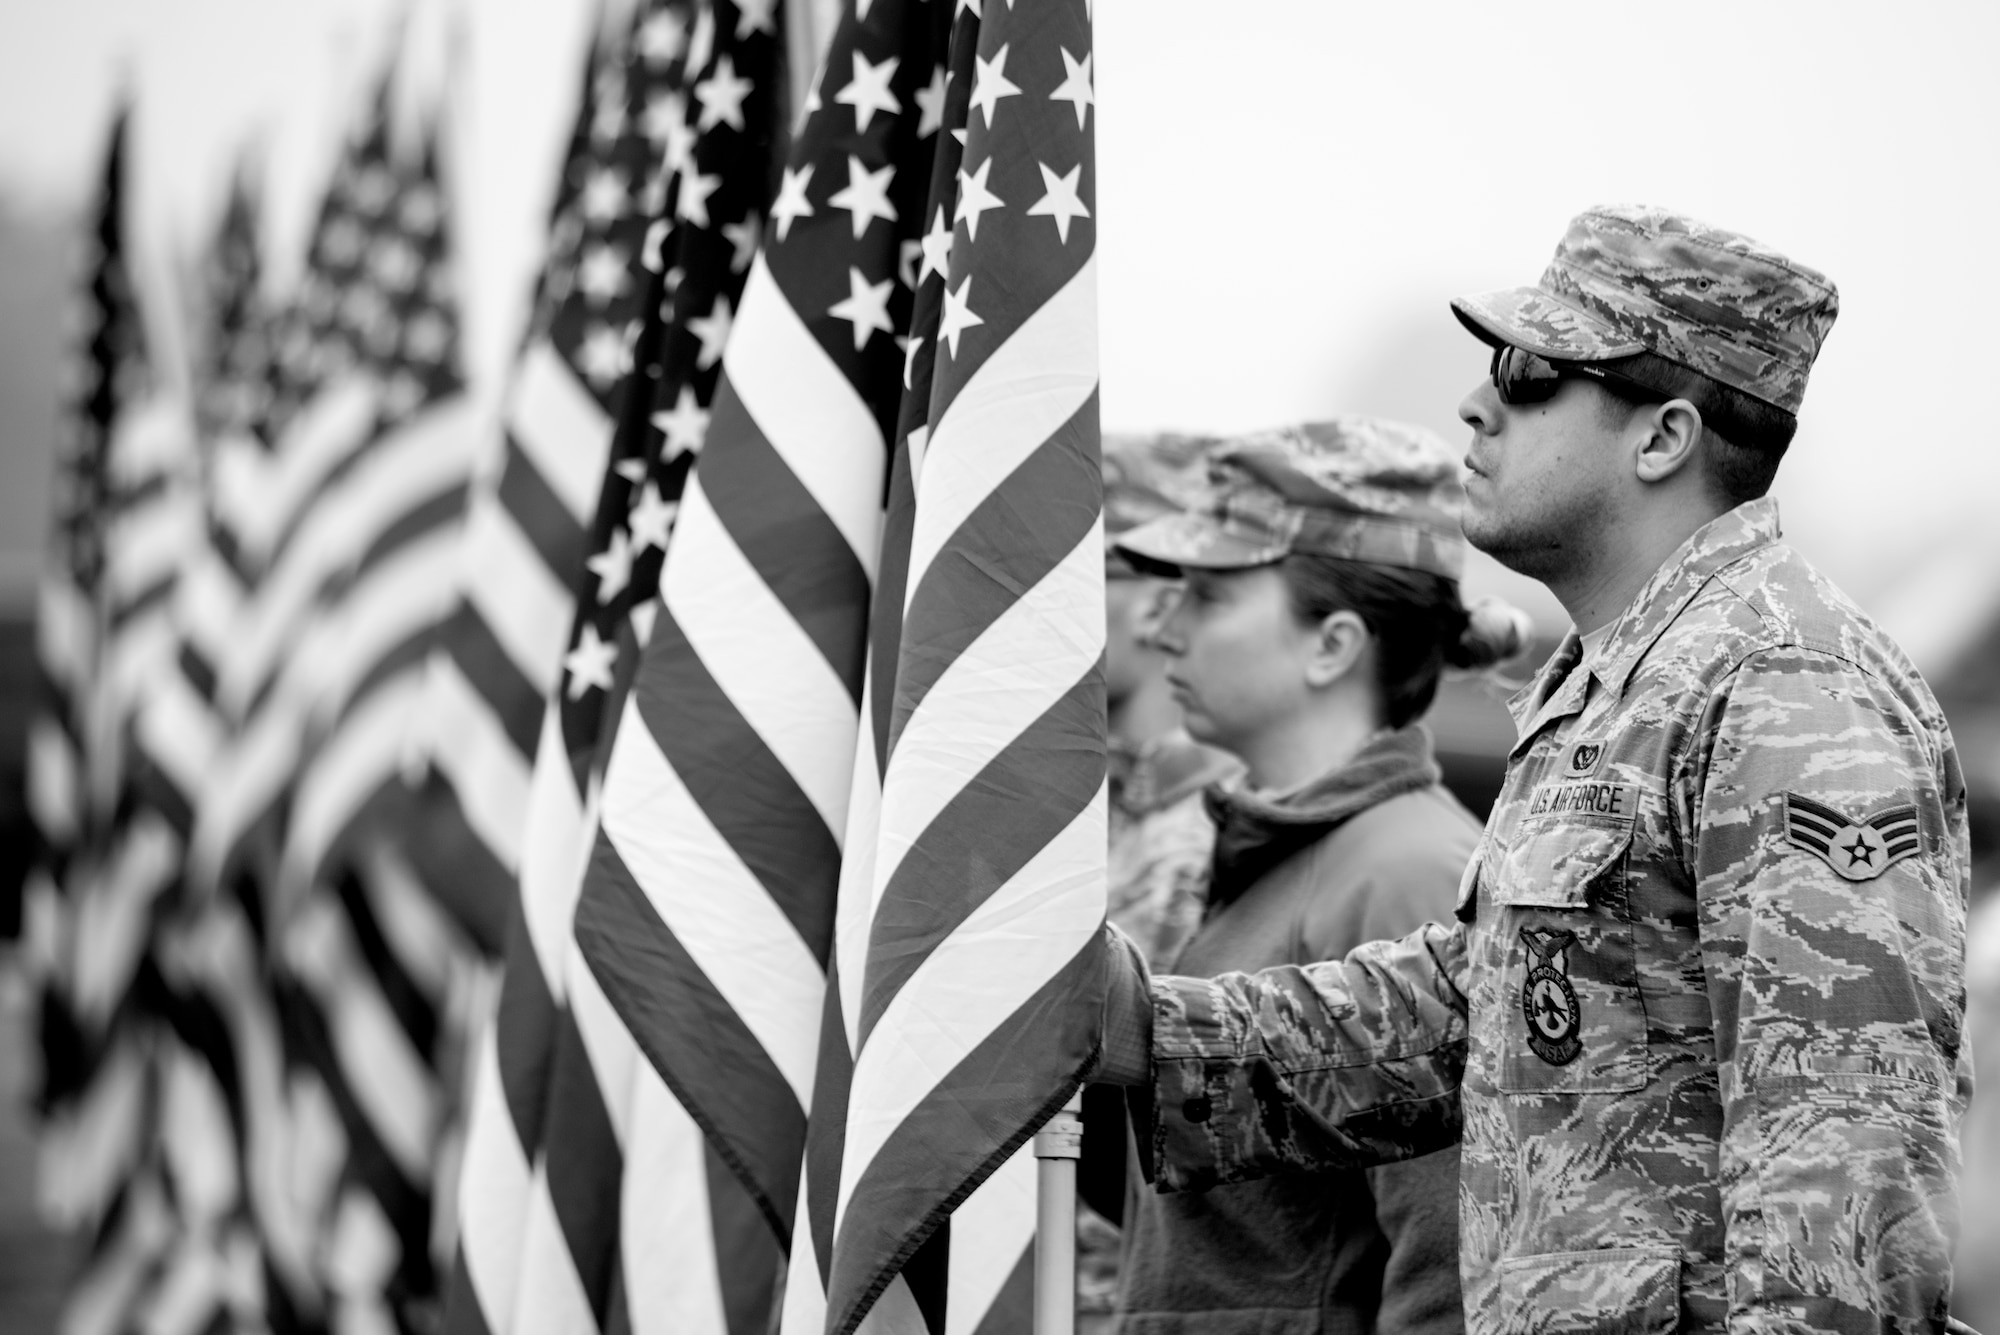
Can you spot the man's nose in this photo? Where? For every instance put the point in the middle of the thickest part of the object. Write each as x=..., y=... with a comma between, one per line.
x=1480, y=408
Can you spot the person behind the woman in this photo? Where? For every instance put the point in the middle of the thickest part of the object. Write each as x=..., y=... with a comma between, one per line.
x=1320, y=606
x=1160, y=833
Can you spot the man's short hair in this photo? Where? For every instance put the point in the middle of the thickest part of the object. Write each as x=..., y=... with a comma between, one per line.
x=1743, y=437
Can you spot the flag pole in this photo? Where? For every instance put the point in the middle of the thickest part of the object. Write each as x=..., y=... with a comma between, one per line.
x=1058, y=1145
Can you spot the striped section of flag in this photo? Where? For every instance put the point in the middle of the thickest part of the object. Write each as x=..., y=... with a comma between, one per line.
x=518, y=1268
x=967, y=995
x=69, y=634
x=528, y=522
x=707, y=913
x=148, y=1147
x=344, y=531
x=106, y=861
x=592, y=1170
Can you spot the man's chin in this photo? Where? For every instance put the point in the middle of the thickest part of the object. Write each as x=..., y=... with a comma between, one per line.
x=1538, y=557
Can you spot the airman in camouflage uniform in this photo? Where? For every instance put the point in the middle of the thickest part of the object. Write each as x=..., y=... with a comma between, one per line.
x=1698, y=1020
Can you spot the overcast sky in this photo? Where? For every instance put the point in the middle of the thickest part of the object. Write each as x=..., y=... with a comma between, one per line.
x=1289, y=192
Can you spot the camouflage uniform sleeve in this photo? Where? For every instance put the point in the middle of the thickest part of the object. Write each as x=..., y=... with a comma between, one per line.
x=1351, y=1063
x=1828, y=827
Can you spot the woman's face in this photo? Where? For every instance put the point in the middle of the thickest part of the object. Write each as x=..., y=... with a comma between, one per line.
x=1237, y=655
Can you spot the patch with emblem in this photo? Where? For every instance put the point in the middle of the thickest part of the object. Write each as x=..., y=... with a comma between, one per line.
x=1859, y=849
x=1548, y=1002
x=1582, y=759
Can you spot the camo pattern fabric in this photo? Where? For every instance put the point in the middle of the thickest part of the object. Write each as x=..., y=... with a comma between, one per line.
x=1359, y=488
x=1628, y=279
x=1708, y=1067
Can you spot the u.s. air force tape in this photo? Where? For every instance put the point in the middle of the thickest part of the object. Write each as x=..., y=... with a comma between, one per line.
x=1617, y=800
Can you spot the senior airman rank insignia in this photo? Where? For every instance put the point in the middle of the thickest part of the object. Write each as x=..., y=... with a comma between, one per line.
x=1548, y=1002
x=1860, y=850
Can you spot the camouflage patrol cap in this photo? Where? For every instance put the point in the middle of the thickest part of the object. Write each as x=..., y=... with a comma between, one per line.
x=1149, y=475
x=1359, y=488
x=1629, y=279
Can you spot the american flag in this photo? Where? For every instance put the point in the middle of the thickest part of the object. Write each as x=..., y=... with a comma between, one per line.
x=153, y=1147
x=525, y=542
x=105, y=863
x=967, y=987
x=970, y=816
x=69, y=634
x=346, y=527
x=585, y=1172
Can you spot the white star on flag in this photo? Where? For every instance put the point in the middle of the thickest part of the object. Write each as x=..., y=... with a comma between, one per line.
x=604, y=195
x=686, y=427
x=662, y=37
x=602, y=272
x=589, y=664
x=677, y=154
x=1075, y=87
x=651, y=519
x=1061, y=202
x=907, y=255
x=866, y=307
x=754, y=16
x=604, y=355
x=958, y=316
x=613, y=566
x=665, y=113
x=990, y=83
x=868, y=91
x=866, y=195
x=930, y=104
x=609, y=122
x=909, y=346
x=692, y=203
x=937, y=248
x=721, y=96
x=974, y=198
x=743, y=236
x=420, y=210
x=396, y=263
x=713, y=331
x=791, y=203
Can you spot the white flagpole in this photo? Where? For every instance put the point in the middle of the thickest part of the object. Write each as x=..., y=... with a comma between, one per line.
x=1058, y=1145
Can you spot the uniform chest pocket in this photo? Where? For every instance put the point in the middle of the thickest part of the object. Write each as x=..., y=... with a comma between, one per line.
x=1569, y=1012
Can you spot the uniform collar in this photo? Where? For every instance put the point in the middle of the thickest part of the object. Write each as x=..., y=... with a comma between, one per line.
x=1557, y=691
x=1256, y=831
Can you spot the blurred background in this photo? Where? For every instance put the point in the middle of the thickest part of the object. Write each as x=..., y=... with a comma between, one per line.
x=1288, y=193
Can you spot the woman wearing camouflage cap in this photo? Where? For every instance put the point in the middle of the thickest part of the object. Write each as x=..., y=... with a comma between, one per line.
x=1320, y=607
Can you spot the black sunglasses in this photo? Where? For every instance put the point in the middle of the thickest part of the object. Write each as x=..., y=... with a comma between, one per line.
x=1522, y=377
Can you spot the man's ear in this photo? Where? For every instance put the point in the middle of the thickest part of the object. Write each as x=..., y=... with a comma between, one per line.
x=1339, y=643
x=1673, y=433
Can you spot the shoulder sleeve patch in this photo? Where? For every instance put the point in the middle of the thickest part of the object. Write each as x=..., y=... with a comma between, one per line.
x=1858, y=848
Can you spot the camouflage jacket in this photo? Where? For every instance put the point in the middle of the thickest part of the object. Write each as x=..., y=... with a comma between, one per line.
x=1699, y=1018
